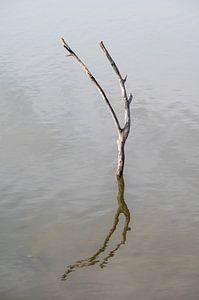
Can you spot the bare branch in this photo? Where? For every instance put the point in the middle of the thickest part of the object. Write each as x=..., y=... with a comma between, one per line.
x=123, y=132
x=113, y=64
x=127, y=116
x=72, y=53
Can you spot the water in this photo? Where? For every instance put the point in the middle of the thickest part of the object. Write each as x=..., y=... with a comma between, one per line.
x=58, y=152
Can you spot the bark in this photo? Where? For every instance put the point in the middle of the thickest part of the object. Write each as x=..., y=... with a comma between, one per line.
x=121, y=155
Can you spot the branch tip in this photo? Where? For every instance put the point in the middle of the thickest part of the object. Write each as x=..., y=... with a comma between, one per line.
x=125, y=78
x=90, y=75
x=63, y=41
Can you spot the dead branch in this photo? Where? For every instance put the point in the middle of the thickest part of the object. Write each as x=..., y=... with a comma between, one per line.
x=127, y=100
x=115, y=68
x=123, y=132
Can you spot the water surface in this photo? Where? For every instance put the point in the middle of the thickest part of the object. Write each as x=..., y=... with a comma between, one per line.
x=58, y=152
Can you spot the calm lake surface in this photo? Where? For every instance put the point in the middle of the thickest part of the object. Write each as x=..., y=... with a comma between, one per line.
x=58, y=191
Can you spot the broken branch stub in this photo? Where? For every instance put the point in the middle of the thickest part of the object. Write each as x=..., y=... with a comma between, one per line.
x=123, y=132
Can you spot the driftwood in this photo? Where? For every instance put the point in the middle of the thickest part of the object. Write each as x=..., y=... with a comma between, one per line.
x=123, y=132
x=95, y=258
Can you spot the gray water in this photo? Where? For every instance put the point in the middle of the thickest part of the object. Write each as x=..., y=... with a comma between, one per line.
x=58, y=150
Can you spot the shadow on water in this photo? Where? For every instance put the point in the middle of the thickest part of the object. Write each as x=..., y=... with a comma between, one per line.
x=94, y=259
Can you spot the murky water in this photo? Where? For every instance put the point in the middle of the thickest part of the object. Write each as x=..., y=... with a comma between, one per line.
x=59, y=196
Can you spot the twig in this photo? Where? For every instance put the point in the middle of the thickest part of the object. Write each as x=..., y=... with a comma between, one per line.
x=73, y=54
x=127, y=100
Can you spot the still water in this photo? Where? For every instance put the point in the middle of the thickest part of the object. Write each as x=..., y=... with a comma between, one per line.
x=62, y=215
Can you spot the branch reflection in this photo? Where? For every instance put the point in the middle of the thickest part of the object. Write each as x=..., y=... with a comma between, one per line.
x=94, y=259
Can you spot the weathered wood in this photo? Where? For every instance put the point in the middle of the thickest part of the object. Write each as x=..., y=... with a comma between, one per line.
x=92, y=78
x=123, y=132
